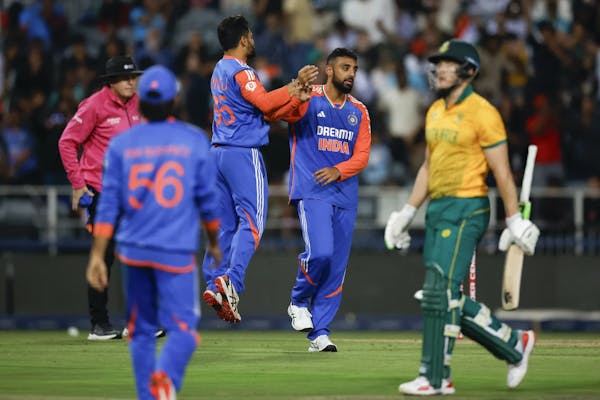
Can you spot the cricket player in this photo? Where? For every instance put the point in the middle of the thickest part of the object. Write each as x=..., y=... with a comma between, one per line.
x=104, y=114
x=465, y=139
x=239, y=130
x=330, y=139
x=159, y=181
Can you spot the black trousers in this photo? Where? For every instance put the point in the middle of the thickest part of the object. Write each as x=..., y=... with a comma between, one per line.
x=98, y=301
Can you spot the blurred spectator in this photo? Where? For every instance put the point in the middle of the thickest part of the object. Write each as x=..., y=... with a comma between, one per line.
x=195, y=46
x=269, y=42
x=403, y=110
x=549, y=58
x=373, y=16
x=146, y=16
x=341, y=36
x=514, y=122
x=34, y=74
x=582, y=140
x=196, y=92
x=153, y=52
x=543, y=130
x=54, y=123
x=45, y=20
x=298, y=16
x=493, y=65
x=517, y=64
x=112, y=15
x=21, y=149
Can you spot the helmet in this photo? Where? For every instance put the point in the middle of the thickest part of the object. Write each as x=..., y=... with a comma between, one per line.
x=457, y=50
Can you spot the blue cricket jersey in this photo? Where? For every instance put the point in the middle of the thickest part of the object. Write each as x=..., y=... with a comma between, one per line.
x=236, y=121
x=329, y=135
x=158, y=182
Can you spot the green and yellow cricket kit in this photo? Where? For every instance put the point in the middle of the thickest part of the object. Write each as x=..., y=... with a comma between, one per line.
x=457, y=218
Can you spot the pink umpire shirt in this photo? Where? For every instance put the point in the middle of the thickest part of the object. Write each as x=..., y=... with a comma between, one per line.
x=98, y=118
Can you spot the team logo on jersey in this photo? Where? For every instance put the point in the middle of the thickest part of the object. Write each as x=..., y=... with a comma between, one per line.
x=78, y=119
x=446, y=233
x=135, y=117
x=250, y=86
x=352, y=119
x=434, y=115
x=459, y=117
x=321, y=114
x=113, y=121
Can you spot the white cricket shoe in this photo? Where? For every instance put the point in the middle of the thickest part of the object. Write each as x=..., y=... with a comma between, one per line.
x=516, y=372
x=421, y=387
x=322, y=343
x=301, y=318
x=230, y=299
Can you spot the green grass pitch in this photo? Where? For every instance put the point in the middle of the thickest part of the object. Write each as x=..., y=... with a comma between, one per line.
x=275, y=365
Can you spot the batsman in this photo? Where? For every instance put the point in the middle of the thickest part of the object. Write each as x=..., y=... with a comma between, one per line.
x=465, y=140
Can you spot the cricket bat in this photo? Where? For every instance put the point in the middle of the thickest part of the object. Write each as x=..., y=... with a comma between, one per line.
x=513, y=263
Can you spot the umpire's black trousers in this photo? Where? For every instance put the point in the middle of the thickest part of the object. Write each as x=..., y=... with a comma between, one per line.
x=98, y=301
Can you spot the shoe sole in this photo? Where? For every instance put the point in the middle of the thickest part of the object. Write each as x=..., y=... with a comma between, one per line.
x=229, y=314
x=211, y=301
x=98, y=338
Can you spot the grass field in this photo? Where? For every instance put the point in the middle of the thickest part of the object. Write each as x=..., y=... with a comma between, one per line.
x=275, y=365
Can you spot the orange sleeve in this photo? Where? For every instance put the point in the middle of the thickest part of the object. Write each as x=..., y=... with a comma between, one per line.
x=362, y=148
x=103, y=229
x=256, y=94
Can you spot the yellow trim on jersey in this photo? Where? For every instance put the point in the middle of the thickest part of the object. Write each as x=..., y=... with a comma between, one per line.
x=456, y=138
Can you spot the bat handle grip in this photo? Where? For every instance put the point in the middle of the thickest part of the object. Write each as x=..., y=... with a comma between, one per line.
x=525, y=209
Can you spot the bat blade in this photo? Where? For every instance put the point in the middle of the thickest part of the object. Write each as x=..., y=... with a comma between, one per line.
x=511, y=281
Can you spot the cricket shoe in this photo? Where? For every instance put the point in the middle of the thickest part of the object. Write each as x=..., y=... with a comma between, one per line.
x=322, y=343
x=230, y=299
x=516, y=372
x=214, y=300
x=161, y=386
x=301, y=318
x=103, y=331
x=421, y=387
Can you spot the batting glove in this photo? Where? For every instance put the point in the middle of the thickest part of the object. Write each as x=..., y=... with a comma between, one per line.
x=520, y=231
x=396, y=235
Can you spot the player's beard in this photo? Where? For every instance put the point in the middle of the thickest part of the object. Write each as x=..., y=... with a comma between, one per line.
x=339, y=85
x=251, y=51
x=445, y=92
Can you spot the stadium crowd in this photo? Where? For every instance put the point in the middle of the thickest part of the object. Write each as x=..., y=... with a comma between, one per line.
x=540, y=67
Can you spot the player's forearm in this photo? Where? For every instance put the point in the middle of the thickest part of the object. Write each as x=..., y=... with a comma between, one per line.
x=285, y=111
x=99, y=246
x=212, y=231
x=508, y=192
x=420, y=189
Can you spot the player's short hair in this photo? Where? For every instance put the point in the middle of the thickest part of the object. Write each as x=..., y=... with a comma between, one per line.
x=341, y=52
x=230, y=31
x=156, y=111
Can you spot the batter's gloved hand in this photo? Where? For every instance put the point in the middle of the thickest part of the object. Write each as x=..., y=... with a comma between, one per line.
x=396, y=235
x=520, y=231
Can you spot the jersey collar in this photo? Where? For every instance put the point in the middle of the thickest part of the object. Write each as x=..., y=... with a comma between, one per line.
x=334, y=105
x=466, y=93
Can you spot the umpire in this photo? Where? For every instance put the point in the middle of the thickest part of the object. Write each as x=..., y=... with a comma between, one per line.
x=104, y=114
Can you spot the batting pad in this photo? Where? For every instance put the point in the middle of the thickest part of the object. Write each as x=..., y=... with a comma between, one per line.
x=435, y=308
x=498, y=338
